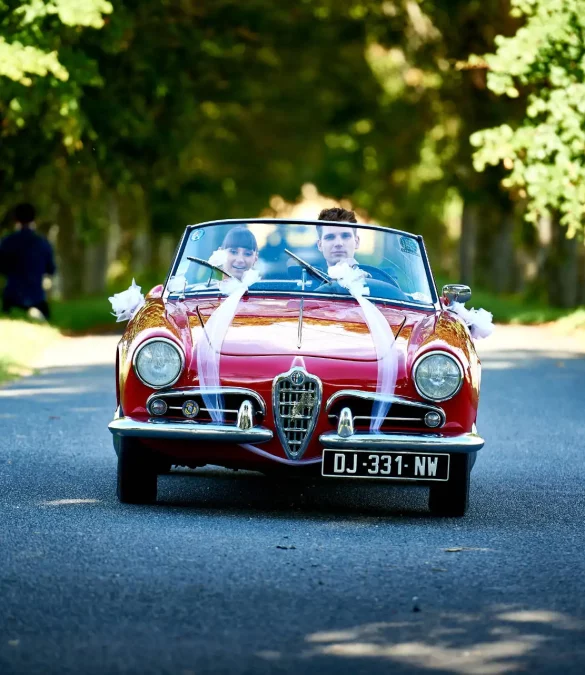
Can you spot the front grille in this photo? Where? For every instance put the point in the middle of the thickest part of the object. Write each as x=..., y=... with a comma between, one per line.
x=232, y=397
x=403, y=414
x=296, y=399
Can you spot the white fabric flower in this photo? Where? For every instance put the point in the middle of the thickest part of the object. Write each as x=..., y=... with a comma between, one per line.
x=177, y=284
x=218, y=257
x=421, y=297
x=348, y=277
x=479, y=321
x=127, y=303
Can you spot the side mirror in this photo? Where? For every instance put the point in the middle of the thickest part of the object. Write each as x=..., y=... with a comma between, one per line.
x=457, y=293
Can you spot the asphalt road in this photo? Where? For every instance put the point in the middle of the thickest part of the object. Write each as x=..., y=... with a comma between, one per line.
x=233, y=573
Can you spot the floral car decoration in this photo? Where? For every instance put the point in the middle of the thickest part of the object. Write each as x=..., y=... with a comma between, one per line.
x=308, y=347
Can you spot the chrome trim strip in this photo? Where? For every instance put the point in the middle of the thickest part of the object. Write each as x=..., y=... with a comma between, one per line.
x=386, y=419
x=312, y=419
x=409, y=304
x=374, y=396
x=196, y=391
x=469, y=442
x=158, y=339
x=296, y=221
x=187, y=430
x=442, y=352
x=300, y=329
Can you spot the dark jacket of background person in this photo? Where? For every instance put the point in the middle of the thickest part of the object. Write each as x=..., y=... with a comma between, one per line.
x=25, y=257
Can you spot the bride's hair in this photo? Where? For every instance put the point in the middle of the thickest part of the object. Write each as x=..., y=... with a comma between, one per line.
x=240, y=237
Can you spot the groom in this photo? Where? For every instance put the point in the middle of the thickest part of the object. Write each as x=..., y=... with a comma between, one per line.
x=338, y=243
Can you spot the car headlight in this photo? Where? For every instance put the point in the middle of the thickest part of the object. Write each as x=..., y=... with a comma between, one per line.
x=437, y=376
x=158, y=363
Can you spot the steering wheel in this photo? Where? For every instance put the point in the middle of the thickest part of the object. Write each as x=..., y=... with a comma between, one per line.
x=380, y=275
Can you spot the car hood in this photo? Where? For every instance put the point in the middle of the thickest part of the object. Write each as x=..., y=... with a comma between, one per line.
x=334, y=329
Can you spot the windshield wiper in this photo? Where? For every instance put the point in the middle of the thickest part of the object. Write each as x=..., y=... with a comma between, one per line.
x=309, y=267
x=208, y=264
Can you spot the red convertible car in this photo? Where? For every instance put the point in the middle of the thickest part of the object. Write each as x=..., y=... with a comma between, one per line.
x=307, y=347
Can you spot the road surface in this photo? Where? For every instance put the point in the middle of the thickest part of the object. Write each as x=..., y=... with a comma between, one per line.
x=233, y=573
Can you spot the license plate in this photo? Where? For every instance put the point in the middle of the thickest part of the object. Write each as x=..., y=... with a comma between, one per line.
x=389, y=465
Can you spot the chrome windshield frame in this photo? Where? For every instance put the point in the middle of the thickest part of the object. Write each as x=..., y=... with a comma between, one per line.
x=435, y=304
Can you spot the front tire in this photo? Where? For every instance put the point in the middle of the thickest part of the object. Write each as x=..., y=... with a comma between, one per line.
x=137, y=477
x=451, y=498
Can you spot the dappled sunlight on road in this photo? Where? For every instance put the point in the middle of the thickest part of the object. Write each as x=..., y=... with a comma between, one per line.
x=43, y=391
x=69, y=502
x=499, y=640
x=543, y=339
x=498, y=364
x=80, y=351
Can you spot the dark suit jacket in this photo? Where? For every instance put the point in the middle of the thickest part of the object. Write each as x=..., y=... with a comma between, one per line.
x=25, y=257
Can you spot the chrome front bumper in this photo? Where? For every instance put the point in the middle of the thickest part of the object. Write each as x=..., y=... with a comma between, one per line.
x=470, y=442
x=178, y=430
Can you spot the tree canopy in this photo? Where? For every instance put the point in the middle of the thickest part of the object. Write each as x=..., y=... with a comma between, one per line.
x=545, y=151
x=157, y=113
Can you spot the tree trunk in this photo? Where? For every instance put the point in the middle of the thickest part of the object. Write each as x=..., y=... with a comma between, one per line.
x=114, y=229
x=468, y=242
x=95, y=266
x=502, y=254
x=581, y=276
x=69, y=253
x=562, y=270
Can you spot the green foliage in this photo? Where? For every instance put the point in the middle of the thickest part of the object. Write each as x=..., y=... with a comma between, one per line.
x=545, y=153
x=84, y=315
x=515, y=309
x=30, y=36
x=18, y=63
x=177, y=111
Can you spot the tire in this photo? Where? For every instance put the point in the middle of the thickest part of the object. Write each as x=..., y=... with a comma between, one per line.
x=162, y=465
x=137, y=477
x=451, y=499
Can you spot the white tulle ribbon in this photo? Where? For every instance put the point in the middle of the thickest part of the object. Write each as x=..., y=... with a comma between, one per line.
x=209, y=346
x=352, y=278
x=479, y=321
x=127, y=303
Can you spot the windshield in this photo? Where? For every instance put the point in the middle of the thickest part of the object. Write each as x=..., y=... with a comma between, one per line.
x=298, y=258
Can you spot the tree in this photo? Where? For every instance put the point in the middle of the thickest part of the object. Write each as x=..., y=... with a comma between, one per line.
x=42, y=76
x=545, y=152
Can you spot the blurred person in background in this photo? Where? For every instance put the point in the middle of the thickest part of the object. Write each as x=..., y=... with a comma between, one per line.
x=25, y=257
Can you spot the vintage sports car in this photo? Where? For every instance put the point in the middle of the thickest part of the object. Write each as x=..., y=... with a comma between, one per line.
x=309, y=347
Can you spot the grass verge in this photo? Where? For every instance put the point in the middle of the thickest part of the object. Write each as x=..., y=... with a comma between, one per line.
x=514, y=309
x=21, y=343
x=84, y=316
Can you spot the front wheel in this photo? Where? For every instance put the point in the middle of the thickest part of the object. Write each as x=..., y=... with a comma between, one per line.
x=137, y=475
x=452, y=497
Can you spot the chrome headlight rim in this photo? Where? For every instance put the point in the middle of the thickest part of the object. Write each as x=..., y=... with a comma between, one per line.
x=439, y=352
x=145, y=344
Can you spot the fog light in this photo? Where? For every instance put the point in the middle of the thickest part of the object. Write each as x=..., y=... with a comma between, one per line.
x=158, y=407
x=190, y=409
x=432, y=419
